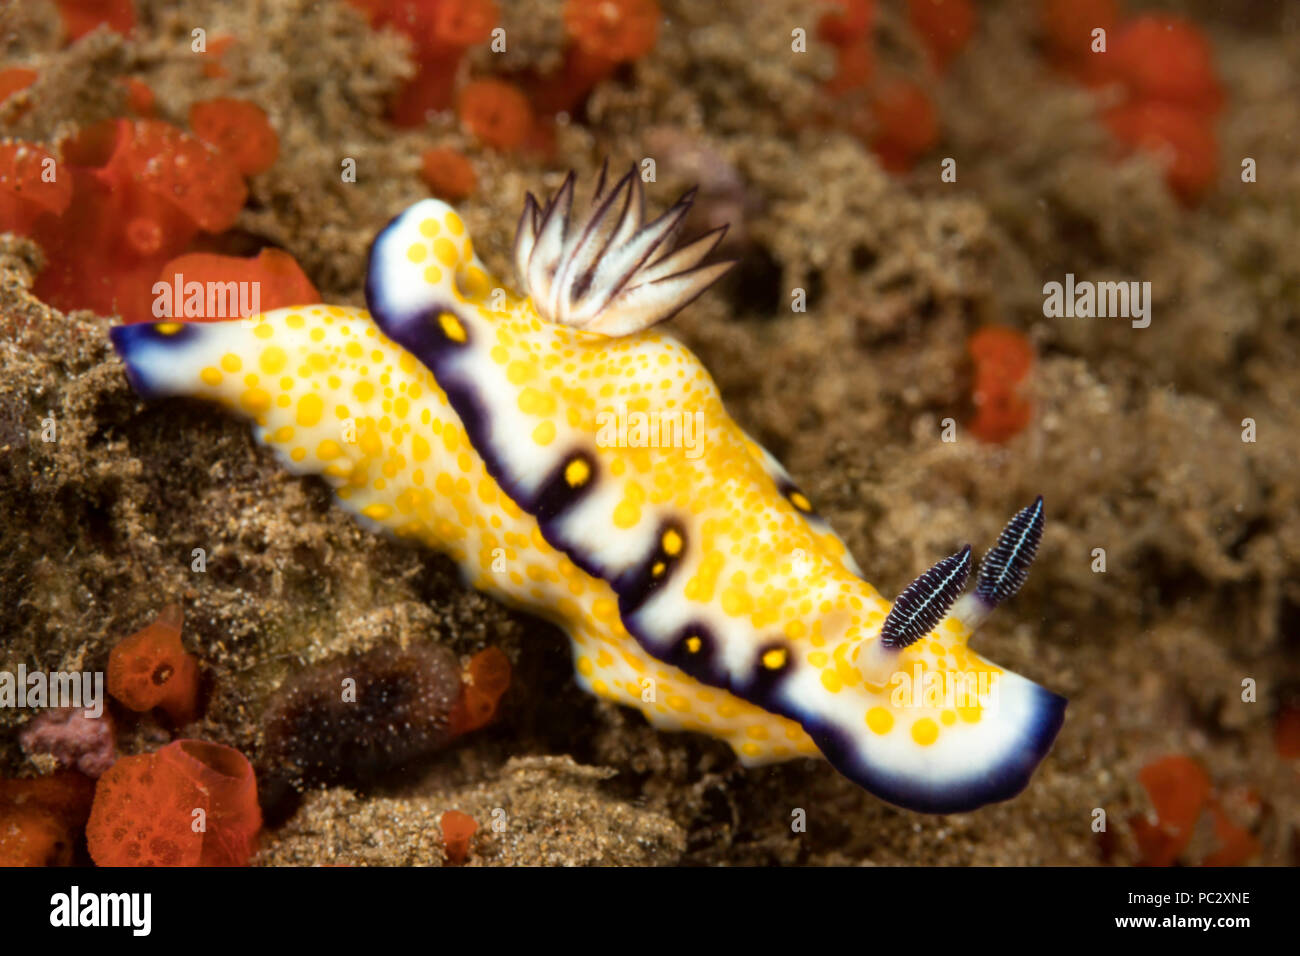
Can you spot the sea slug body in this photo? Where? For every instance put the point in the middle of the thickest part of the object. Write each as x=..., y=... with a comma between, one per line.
x=698, y=587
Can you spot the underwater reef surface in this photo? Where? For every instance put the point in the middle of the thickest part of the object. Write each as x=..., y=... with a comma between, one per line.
x=1133, y=436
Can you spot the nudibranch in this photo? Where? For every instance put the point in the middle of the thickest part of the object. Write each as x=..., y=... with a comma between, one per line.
x=694, y=579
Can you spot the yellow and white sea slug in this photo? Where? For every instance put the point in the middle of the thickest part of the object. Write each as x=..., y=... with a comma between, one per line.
x=524, y=435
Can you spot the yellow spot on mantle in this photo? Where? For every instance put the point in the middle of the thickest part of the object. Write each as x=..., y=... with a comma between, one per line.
x=272, y=359
x=445, y=250
x=256, y=400
x=925, y=731
x=577, y=472
x=879, y=720
x=544, y=433
x=451, y=327
x=310, y=407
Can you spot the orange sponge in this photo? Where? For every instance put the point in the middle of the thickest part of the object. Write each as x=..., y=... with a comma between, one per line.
x=82, y=16
x=1178, y=789
x=13, y=80
x=457, y=830
x=240, y=130
x=1286, y=732
x=1166, y=59
x=464, y=23
x=140, y=99
x=141, y=191
x=1068, y=25
x=280, y=280
x=26, y=192
x=485, y=680
x=41, y=817
x=448, y=173
x=614, y=30
x=1180, y=138
x=172, y=167
x=1002, y=359
x=945, y=26
x=192, y=803
x=150, y=669
x=907, y=124
x=497, y=113
x=848, y=24
x=855, y=64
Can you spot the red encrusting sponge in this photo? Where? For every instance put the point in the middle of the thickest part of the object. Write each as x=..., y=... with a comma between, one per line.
x=1180, y=791
x=1286, y=732
x=497, y=113
x=616, y=31
x=907, y=124
x=457, y=830
x=280, y=280
x=192, y=803
x=1166, y=59
x=602, y=35
x=944, y=26
x=151, y=669
x=855, y=65
x=176, y=174
x=1068, y=27
x=140, y=100
x=1183, y=140
x=40, y=818
x=141, y=191
x=448, y=173
x=484, y=681
x=1003, y=358
x=240, y=130
x=13, y=80
x=850, y=22
x=440, y=32
x=1164, y=65
x=212, y=58
x=82, y=16
x=895, y=116
x=130, y=195
x=28, y=191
